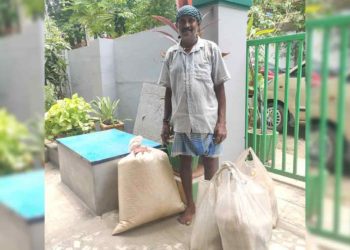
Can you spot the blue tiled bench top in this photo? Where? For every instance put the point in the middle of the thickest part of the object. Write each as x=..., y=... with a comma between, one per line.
x=98, y=147
x=24, y=194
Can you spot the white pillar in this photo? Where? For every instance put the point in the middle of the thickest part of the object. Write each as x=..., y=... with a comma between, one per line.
x=229, y=32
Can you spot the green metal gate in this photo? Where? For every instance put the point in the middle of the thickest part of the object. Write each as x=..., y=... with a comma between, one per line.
x=273, y=102
x=323, y=82
x=327, y=134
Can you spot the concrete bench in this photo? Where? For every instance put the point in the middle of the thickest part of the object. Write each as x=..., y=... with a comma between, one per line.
x=88, y=166
x=22, y=210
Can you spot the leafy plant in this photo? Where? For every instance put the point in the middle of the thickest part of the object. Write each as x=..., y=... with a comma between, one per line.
x=55, y=63
x=105, y=110
x=50, y=96
x=283, y=16
x=14, y=152
x=253, y=33
x=68, y=117
x=73, y=32
x=34, y=8
x=36, y=127
x=101, y=18
x=9, y=17
x=143, y=11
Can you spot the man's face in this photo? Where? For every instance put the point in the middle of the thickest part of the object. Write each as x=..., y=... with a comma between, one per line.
x=188, y=26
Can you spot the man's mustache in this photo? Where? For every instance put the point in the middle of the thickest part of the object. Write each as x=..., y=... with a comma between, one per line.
x=186, y=29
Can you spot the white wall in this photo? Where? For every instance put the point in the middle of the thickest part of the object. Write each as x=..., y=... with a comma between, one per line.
x=138, y=60
x=107, y=66
x=232, y=38
x=85, y=70
x=22, y=72
x=228, y=30
x=118, y=68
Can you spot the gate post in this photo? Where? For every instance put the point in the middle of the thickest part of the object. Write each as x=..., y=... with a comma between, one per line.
x=228, y=29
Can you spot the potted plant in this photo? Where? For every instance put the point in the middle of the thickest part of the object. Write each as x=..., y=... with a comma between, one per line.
x=67, y=117
x=260, y=146
x=105, y=111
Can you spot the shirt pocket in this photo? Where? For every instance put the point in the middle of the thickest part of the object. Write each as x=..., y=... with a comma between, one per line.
x=202, y=71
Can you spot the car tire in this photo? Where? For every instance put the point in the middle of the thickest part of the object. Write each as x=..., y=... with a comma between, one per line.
x=330, y=146
x=279, y=114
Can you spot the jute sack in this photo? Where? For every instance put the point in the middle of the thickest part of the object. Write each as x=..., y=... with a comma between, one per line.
x=146, y=188
x=256, y=171
x=205, y=232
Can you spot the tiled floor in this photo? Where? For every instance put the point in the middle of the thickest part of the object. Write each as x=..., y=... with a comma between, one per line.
x=70, y=225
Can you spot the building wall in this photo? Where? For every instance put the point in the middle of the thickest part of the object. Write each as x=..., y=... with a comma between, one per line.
x=118, y=68
x=232, y=38
x=138, y=60
x=22, y=72
x=107, y=66
x=228, y=29
x=85, y=70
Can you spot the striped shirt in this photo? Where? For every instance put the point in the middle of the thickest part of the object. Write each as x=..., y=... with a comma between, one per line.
x=192, y=77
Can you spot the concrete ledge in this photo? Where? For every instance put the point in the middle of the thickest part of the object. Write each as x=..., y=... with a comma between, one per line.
x=19, y=233
x=96, y=185
x=287, y=180
x=315, y=242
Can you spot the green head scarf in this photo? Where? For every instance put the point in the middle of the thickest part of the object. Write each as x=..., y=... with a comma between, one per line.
x=189, y=10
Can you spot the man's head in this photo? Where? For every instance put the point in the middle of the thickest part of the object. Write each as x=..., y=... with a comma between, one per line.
x=188, y=19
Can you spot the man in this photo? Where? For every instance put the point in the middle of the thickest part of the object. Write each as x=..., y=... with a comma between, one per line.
x=194, y=74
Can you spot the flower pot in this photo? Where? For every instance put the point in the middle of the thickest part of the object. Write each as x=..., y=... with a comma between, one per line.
x=259, y=150
x=119, y=126
x=315, y=189
x=52, y=153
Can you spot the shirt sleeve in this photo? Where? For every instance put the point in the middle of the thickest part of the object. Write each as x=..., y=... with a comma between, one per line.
x=219, y=72
x=164, y=78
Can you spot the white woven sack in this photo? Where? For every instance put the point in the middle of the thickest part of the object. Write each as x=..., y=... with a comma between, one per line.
x=146, y=189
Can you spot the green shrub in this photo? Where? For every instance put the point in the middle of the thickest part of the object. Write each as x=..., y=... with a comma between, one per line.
x=50, y=96
x=14, y=152
x=68, y=117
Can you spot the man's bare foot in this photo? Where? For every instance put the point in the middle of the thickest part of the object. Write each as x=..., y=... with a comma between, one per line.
x=186, y=217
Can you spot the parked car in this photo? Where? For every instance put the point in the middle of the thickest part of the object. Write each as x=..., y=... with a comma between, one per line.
x=281, y=100
x=315, y=110
x=332, y=123
x=271, y=70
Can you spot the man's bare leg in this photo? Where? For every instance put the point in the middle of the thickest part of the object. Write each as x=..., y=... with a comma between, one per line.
x=211, y=165
x=186, y=179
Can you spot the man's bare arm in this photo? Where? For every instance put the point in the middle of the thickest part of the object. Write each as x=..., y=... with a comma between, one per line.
x=167, y=114
x=220, y=132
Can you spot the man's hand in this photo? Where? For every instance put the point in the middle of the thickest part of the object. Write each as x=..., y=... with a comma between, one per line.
x=165, y=133
x=220, y=133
